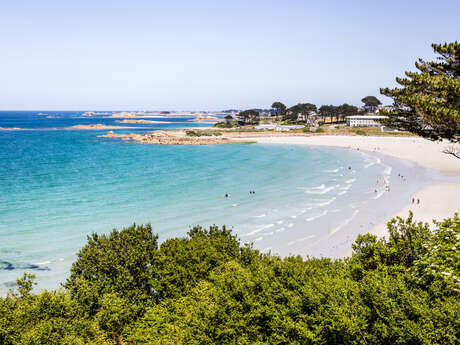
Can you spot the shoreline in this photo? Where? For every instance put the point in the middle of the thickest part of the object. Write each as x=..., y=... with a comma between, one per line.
x=428, y=211
x=439, y=198
x=427, y=154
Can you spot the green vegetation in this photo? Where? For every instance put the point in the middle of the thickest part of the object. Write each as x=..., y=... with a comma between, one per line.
x=371, y=103
x=125, y=288
x=249, y=117
x=198, y=133
x=341, y=129
x=428, y=101
x=360, y=132
x=305, y=110
x=279, y=108
x=224, y=125
x=338, y=112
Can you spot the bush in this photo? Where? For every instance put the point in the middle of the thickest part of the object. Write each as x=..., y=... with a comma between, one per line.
x=192, y=133
x=360, y=132
x=223, y=125
x=206, y=288
x=319, y=130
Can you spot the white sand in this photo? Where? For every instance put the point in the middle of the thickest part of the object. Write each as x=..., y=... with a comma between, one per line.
x=437, y=201
x=424, y=152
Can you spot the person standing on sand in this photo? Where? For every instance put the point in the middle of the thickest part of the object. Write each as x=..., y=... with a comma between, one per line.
x=418, y=201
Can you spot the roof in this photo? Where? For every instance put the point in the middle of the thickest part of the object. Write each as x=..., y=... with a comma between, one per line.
x=366, y=117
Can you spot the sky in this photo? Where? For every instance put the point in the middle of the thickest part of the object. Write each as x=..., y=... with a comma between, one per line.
x=211, y=55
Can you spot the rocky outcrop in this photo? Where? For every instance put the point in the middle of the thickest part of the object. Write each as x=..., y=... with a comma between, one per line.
x=205, y=118
x=168, y=138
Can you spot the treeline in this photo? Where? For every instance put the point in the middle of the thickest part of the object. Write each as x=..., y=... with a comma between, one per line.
x=304, y=111
x=308, y=112
x=207, y=288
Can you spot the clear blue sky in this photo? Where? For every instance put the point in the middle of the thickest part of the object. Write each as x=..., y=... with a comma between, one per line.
x=211, y=54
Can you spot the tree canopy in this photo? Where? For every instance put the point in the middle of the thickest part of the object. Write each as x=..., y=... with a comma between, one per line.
x=279, y=108
x=304, y=109
x=339, y=112
x=428, y=101
x=208, y=288
x=371, y=103
x=249, y=116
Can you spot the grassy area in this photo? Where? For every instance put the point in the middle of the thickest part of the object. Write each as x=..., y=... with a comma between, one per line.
x=373, y=131
x=328, y=128
x=201, y=133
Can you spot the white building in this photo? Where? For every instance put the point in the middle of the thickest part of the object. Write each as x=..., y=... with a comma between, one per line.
x=364, y=120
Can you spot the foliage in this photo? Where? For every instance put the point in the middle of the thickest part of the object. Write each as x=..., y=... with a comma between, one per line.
x=223, y=125
x=371, y=103
x=192, y=133
x=249, y=117
x=339, y=112
x=439, y=265
x=360, y=132
x=279, y=108
x=207, y=288
x=428, y=101
x=303, y=109
x=319, y=130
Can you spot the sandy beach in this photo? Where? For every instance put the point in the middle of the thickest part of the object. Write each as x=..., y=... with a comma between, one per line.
x=423, y=152
x=437, y=201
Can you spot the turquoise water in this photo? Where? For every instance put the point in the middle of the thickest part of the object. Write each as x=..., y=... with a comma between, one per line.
x=59, y=185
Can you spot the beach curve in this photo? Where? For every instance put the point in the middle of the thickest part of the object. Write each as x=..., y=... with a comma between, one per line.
x=437, y=200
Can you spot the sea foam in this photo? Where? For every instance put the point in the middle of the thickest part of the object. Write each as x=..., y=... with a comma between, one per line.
x=309, y=219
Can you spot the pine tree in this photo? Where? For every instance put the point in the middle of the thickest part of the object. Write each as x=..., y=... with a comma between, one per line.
x=428, y=101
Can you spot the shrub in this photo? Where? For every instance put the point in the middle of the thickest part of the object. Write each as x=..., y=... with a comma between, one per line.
x=360, y=132
x=192, y=133
x=223, y=125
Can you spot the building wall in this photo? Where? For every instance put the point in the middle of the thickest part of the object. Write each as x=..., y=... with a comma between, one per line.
x=352, y=122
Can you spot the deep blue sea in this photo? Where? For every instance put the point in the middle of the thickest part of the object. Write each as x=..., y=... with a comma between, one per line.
x=58, y=185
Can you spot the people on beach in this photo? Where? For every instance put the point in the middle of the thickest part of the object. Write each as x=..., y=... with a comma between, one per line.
x=413, y=200
x=418, y=201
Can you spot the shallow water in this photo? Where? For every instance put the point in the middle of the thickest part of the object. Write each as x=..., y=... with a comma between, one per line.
x=57, y=186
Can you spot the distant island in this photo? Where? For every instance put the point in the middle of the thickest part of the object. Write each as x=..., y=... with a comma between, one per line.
x=99, y=126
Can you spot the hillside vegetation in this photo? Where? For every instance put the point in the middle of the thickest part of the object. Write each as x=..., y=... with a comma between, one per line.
x=208, y=288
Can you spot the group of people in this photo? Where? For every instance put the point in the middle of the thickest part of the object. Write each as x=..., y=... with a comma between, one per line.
x=413, y=200
x=387, y=185
x=399, y=175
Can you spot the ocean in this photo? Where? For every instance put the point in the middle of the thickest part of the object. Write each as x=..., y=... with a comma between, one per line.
x=59, y=185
